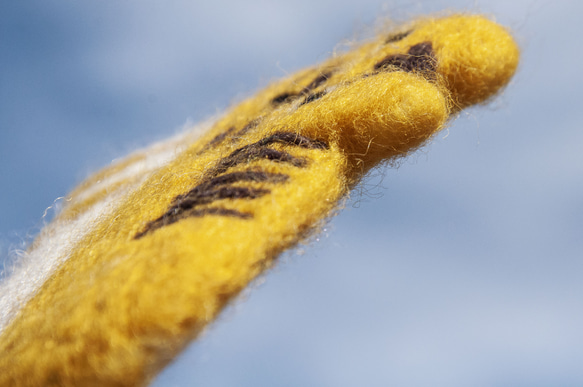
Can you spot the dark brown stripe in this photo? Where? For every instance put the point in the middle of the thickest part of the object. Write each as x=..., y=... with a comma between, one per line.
x=198, y=197
x=320, y=79
x=398, y=36
x=217, y=185
x=419, y=58
x=249, y=154
x=184, y=205
x=167, y=220
x=258, y=150
x=258, y=176
x=290, y=96
x=291, y=138
x=206, y=189
x=251, y=125
x=219, y=138
x=283, y=97
x=313, y=97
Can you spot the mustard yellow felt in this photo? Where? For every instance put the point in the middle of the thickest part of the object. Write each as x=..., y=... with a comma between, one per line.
x=187, y=237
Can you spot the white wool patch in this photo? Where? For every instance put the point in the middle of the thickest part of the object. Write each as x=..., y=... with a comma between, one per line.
x=49, y=252
x=57, y=240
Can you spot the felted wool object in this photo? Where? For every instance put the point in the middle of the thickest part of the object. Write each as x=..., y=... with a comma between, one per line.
x=148, y=251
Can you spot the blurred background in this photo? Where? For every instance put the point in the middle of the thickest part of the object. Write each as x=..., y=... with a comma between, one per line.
x=462, y=267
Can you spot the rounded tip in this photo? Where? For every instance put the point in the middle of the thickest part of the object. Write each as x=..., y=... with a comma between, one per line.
x=476, y=57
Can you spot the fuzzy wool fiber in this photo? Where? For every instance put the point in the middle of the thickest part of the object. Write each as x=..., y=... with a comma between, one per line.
x=148, y=251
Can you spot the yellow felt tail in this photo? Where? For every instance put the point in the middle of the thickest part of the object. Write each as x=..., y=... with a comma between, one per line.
x=158, y=244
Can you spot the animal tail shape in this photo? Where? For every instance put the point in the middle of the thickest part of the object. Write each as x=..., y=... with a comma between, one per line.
x=148, y=251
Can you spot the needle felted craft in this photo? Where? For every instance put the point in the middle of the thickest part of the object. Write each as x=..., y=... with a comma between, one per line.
x=148, y=251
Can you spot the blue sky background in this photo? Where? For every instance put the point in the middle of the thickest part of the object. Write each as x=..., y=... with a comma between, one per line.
x=463, y=267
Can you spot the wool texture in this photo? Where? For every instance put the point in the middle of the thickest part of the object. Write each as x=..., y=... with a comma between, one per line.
x=148, y=251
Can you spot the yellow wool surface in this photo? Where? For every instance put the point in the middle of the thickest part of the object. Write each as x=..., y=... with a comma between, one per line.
x=189, y=235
